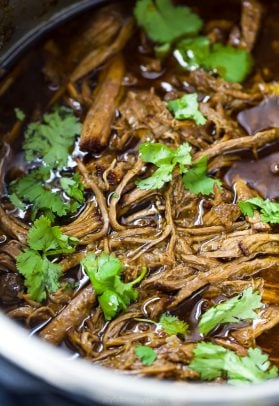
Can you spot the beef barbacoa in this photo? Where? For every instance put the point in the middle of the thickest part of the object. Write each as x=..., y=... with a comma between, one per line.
x=139, y=178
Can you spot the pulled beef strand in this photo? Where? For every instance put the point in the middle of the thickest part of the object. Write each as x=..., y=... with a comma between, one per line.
x=70, y=317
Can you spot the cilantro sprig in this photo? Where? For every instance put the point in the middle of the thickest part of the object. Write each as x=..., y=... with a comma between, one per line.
x=52, y=138
x=164, y=22
x=195, y=176
x=232, y=64
x=187, y=108
x=196, y=180
x=269, y=211
x=35, y=189
x=73, y=187
x=212, y=361
x=239, y=308
x=20, y=115
x=145, y=354
x=104, y=273
x=40, y=274
x=172, y=325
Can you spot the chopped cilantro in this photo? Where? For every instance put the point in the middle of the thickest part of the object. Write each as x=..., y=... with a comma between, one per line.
x=43, y=237
x=41, y=275
x=157, y=180
x=212, y=361
x=145, y=354
x=196, y=179
x=52, y=139
x=104, y=273
x=20, y=115
x=187, y=108
x=239, y=308
x=164, y=22
x=73, y=187
x=33, y=189
x=269, y=211
x=192, y=52
x=232, y=64
x=17, y=202
x=172, y=325
x=164, y=157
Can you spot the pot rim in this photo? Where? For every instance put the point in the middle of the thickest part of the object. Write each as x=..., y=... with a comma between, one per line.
x=102, y=384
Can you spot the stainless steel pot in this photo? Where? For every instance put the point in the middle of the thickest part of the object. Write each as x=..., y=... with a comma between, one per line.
x=18, y=28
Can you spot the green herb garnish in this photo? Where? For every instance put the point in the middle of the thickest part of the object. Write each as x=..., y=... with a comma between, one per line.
x=232, y=64
x=164, y=22
x=196, y=180
x=34, y=189
x=73, y=187
x=239, y=308
x=187, y=108
x=104, y=273
x=172, y=325
x=51, y=139
x=269, y=211
x=20, y=115
x=146, y=354
x=41, y=275
x=212, y=361
x=195, y=177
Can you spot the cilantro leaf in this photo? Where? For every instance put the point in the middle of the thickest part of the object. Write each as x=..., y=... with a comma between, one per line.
x=239, y=308
x=43, y=237
x=163, y=22
x=212, y=361
x=269, y=211
x=166, y=159
x=110, y=303
x=187, y=108
x=51, y=139
x=40, y=275
x=172, y=325
x=145, y=354
x=196, y=180
x=208, y=360
x=35, y=189
x=28, y=189
x=182, y=156
x=232, y=64
x=20, y=115
x=73, y=187
x=192, y=52
x=157, y=180
x=104, y=273
x=17, y=202
x=250, y=369
x=156, y=153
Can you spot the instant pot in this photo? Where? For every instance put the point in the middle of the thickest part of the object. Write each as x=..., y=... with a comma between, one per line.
x=30, y=366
